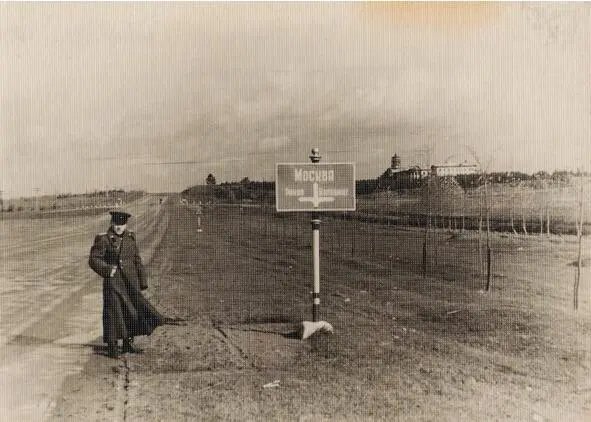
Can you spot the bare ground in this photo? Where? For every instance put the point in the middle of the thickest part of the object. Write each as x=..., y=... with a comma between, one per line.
x=404, y=348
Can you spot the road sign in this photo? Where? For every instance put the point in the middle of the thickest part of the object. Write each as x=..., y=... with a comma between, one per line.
x=315, y=187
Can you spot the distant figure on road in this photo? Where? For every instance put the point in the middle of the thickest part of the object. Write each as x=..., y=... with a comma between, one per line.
x=126, y=312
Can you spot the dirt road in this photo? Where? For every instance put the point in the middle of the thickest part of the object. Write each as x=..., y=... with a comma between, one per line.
x=405, y=347
x=50, y=309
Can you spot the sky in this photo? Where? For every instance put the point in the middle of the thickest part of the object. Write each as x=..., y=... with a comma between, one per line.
x=155, y=96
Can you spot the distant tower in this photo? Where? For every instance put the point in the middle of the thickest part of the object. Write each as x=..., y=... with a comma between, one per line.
x=396, y=162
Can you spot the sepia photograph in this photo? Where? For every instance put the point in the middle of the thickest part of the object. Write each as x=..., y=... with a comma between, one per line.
x=295, y=211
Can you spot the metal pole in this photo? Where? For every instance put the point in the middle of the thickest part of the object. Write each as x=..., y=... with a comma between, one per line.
x=316, y=259
x=315, y=158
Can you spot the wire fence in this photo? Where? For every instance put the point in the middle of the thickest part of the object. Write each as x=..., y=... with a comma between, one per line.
x=517, y=208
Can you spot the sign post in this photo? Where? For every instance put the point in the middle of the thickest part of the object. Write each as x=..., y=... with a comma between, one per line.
x=315, y=187
x=316, y=260
x=315, y=158
x=199, y=212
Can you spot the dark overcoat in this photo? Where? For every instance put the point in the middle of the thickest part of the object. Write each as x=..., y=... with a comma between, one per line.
x=126, y=312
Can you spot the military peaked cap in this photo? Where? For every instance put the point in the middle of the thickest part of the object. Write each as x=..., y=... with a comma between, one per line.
x=119, y=217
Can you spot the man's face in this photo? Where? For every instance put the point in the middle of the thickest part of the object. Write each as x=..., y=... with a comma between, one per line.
x=119, y=228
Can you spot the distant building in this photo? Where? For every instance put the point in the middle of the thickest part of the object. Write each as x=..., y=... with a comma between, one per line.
x=453, y=169
x=396, y=162
x=399, y=177
x=411, y=173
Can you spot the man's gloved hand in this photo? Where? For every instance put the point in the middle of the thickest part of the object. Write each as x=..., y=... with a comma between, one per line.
x=113, y=271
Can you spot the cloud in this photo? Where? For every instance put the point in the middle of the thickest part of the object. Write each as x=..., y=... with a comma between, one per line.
x=220, y=83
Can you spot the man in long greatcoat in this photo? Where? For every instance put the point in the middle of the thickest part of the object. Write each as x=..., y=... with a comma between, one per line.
x=126, y=312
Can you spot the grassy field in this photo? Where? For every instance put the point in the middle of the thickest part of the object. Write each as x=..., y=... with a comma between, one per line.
x=405, y=347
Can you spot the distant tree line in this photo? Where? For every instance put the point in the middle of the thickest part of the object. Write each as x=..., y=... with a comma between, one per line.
x=245, y=190
x=69, y=200
x=366, y=186
x=476, y=180
x=94, y=194
x=255, y=191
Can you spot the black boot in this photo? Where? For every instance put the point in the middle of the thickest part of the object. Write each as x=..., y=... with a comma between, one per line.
x=130, y=347
x=113, y=350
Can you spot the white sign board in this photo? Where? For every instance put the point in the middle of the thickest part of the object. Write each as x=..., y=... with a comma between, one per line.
x=315, y=187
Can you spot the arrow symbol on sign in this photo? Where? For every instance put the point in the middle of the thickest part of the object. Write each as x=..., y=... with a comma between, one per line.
x=315, y=199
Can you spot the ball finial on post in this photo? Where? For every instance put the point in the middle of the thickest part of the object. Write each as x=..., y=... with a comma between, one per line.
x=315, y=156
